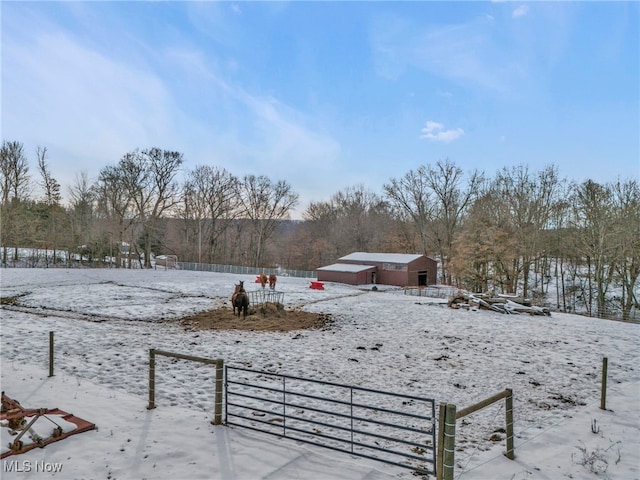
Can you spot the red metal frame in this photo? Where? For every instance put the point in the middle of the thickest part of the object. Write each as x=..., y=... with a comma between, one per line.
x=15, y=414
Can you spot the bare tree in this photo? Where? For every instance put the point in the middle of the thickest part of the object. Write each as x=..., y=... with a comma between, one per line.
x=559, y=238
x=211, y=204
x=193, y=213
x=626, y=198
x=53, y=215
x=362, y=218
x=484, y=254
x=411, y=196
x=82, y=196
x=14, y=169
x=265, y=204
x=435, y=200
x=354, y=219
x=50, y=186
x=149, y=177
x=318, y=235
x=593, y=217
x=451, y=203
x=114, y=206
x=528, y=203
x=15, y=184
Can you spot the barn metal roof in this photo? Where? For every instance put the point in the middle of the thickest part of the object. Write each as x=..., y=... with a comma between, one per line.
x=346, y=267
x=382, y=257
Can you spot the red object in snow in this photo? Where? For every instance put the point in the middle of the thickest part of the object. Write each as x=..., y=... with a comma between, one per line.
x=15, y=414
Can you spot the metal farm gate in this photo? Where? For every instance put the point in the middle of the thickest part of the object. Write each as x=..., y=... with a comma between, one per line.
x=388, y=427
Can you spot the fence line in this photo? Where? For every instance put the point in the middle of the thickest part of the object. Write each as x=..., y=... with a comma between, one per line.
x=443, y=449
x=445, y=461
x=433, y=291
x=236, y=269
x=219, y=363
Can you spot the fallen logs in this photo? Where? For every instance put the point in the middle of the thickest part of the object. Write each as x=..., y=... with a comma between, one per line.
x=500, y=304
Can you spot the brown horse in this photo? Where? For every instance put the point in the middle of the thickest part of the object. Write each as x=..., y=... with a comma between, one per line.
x=272, y=281
x=263, y=280
x=240, y=300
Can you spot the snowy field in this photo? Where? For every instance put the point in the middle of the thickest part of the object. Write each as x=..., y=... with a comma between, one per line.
x=105, y=322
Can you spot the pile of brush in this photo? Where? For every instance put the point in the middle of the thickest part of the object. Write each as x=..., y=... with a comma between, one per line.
x=497, y=303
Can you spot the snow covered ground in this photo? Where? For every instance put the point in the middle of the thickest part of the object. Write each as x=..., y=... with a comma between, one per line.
x=105, y=322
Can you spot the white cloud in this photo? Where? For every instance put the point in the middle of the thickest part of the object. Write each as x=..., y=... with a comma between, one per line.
x=435, y=132
x=466, y=53
x=521, y=11
x=431, y=126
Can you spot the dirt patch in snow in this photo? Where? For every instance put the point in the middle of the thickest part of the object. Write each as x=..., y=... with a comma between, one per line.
x=271, y=317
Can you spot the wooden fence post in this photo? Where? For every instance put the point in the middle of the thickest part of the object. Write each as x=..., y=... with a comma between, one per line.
x=51, y=354
x=509, y=417
x=217, y=415
x=152, y=379
x=448, y=460
x=440, y=437
x=603, y=392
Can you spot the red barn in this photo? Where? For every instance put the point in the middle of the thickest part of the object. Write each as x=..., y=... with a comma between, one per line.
x=401, y=269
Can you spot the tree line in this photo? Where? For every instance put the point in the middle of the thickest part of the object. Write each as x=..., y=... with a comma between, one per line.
x=523, y=232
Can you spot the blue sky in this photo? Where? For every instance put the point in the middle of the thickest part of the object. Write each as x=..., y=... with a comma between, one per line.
x=326, y=95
